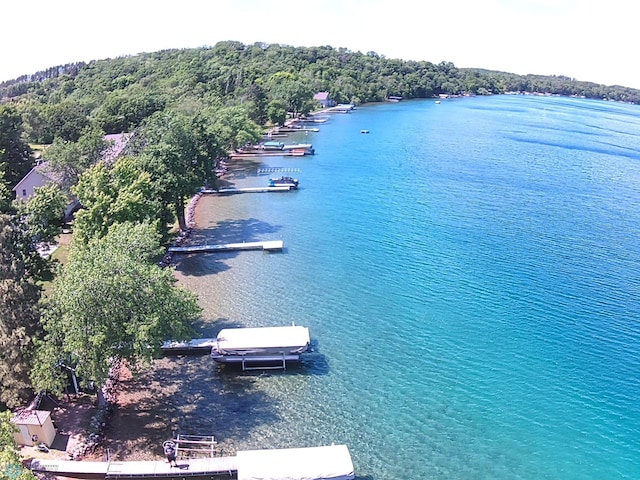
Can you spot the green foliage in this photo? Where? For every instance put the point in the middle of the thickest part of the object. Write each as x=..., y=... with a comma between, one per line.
x=277, y=112
x=112, y=301
x=69, y=159
x=124, y=193
x=177, y=156
x=68, y=119
x=5, y=191
x=43, y=213
x=11, y=467
x=15, y=153
x=19, y=316
x=124, y=110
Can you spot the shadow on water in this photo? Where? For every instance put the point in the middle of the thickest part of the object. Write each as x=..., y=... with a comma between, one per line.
x=227, y=231
x=185, y=395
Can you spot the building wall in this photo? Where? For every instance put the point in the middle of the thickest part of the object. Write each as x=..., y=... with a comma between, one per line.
x=25, y=188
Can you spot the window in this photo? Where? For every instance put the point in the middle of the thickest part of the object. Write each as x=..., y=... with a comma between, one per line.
x=24, y=192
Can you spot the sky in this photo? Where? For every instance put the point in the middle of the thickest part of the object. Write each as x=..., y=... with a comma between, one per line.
x=589, y=40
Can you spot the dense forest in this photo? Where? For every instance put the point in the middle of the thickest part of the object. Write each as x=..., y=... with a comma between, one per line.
x=115, y=95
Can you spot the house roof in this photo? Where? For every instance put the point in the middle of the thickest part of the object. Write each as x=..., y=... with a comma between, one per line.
x=118, y=143
x=321, y=96
x=30, y=417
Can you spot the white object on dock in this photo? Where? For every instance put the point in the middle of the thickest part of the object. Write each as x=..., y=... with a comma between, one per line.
x=269, y=245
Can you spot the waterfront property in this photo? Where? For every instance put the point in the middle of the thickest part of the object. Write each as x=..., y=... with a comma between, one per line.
x=261, y=347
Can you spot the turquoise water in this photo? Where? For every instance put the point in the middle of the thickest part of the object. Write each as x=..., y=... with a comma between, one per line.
x=470, y=274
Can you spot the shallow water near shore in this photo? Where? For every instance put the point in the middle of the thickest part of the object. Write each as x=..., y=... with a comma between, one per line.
x=470, y=274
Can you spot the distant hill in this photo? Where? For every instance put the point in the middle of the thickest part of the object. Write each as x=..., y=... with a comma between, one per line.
x=117, y=94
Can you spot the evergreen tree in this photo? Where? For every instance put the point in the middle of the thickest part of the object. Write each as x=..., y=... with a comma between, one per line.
x=15, y=153
x=19, y=317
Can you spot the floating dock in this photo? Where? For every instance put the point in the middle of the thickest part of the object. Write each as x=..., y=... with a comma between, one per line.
x=232, y=191
x=278, y=153
x=267, y=246
x=268, y=170
x=315, y=463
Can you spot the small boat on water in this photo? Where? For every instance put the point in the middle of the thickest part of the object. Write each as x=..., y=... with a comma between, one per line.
x=284, y=182
x=307, y=148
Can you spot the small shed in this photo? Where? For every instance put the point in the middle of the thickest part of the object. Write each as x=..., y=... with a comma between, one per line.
x=34, y=427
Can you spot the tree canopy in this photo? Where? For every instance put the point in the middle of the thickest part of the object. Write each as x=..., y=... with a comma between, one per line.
x=111, y=301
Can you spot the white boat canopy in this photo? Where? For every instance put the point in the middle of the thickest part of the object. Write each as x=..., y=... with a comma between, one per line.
x=315, y=463
x=235, y=340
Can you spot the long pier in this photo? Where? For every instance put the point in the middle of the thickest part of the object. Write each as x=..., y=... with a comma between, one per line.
x=314, y=463
x=231, y=191
x=269, y=246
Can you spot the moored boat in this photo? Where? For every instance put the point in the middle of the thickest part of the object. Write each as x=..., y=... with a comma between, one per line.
x=262, y=346
x=284, y=182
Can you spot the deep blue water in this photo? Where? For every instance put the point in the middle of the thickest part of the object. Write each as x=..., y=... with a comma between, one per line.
x=470, y=273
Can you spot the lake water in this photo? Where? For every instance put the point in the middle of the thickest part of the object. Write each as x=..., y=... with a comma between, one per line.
x=470, y=274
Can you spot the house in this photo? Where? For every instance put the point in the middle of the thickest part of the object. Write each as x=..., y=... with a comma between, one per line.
x=42, y=173
x=324, y=99
x=37, y=177
x=34, y=427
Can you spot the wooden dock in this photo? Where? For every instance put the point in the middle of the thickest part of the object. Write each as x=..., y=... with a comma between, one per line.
x=277, y=153
x=232, y=191
x=268, y=246
x=213, y=467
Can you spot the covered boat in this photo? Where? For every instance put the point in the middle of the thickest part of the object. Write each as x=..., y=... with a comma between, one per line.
x=266, y=347
x=332, y=462
x=284, y=182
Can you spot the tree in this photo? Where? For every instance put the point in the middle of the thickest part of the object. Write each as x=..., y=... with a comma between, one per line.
x=69, y=159
x=292, y=91
x=175, y=157
x=15, y=153
x=111, y=301
x=277, y=112
x=19, y=316
x=11, y=467
x=43, y=213
x=124, y=193
x=5, y=191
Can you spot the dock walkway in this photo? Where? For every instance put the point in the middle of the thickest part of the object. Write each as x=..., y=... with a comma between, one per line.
x=197, y=345
x=268, y=246
x=327, y=462
x=215, y=467
x=227, y=191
